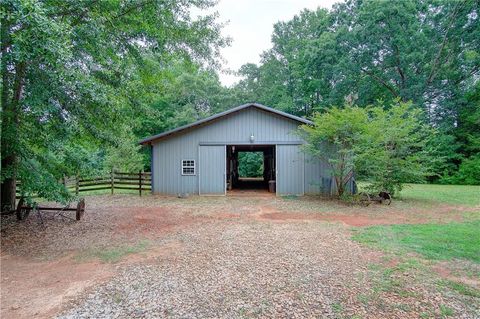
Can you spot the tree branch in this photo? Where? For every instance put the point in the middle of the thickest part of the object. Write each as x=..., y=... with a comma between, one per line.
x=18, y=85
x=434, y=70
x=381, y=81
x=399, y=69
x=133, y=7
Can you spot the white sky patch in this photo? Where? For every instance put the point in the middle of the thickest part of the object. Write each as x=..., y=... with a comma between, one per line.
x=250, y=25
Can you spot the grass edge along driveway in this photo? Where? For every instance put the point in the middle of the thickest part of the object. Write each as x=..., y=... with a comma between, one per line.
x=432, y=241
x=451, y=242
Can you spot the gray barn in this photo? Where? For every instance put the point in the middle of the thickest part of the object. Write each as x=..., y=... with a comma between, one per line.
x=202, y=157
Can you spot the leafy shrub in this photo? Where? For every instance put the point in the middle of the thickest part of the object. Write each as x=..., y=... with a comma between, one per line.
x=386, y=144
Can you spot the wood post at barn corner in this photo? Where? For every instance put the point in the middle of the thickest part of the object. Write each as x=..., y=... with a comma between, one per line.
x=112, y=181
x=77, y=186
x=140, y=181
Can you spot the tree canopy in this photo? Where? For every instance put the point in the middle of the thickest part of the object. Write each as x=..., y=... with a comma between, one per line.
x=361, y=52
x=73, y=74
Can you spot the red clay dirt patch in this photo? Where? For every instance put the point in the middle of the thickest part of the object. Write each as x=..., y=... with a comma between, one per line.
x=350, y=220
x=37, y=289
x=443, y=271
x=33, y=289
x=366, y=216
x=152, y=220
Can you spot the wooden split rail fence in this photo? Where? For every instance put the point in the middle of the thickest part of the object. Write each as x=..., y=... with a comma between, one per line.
x=141, y=182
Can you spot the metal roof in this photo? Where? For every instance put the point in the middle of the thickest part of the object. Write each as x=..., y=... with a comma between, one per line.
x=222, y=114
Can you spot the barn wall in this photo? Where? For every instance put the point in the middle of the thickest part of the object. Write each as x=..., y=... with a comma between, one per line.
x=317, y=176
x=235, y=128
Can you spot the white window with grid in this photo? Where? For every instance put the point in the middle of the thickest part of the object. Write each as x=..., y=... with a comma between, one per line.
x=188, y=167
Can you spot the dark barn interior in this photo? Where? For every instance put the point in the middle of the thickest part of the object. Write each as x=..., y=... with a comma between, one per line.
x=235, y=182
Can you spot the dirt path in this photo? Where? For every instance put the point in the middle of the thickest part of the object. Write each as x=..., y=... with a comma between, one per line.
x=45, y=266
x=39, y=289
x=33, y=289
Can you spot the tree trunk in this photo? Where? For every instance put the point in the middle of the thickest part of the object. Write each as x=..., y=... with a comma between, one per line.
x=9, y=187
x=9, y=158
x=9, y=140
x=5, y=195
x=340, y=187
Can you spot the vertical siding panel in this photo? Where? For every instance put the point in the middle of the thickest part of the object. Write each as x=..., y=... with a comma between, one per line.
x=258, y=127
x=280, y=128
x=273, y=131
x=161, y=163
x=268, y=130
x=172, y=177
x=241, y=128
x=313, y=175
x=169, y=182
x=155, y=169
x=250, y=122
x=164, y=177
x=263, y=128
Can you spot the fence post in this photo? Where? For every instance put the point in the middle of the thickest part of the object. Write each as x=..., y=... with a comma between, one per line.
x=112, y=181
x=77, y=185
x=140, y=173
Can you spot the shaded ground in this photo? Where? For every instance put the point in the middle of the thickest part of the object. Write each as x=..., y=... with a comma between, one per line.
x=224, y=257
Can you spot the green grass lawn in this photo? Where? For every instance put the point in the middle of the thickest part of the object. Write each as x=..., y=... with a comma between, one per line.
x=451, y=194
x=433, y=241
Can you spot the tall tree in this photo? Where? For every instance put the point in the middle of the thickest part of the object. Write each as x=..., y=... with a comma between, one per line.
x=422, y=51
x=63, y=66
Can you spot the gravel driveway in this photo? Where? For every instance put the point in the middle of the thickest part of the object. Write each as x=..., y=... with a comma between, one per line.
x=235, y=258
x=237, y=270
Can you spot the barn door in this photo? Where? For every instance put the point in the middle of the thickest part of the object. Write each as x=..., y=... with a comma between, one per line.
x=290, y=170
x=211, y=170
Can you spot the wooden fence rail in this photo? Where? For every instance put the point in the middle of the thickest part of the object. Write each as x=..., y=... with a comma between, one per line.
x=141, y=182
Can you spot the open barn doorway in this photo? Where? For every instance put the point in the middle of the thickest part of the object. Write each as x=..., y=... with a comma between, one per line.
x=250, y=168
